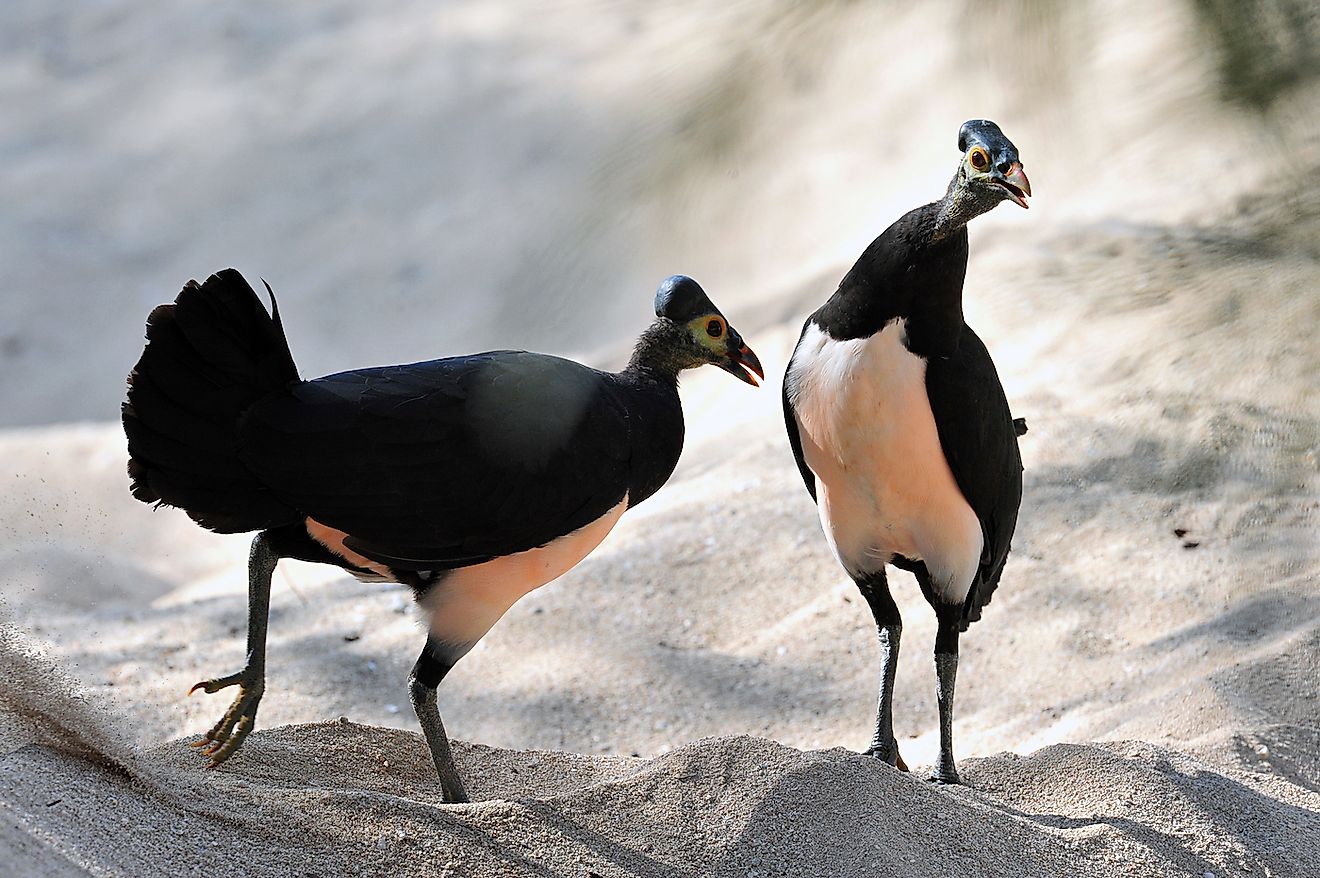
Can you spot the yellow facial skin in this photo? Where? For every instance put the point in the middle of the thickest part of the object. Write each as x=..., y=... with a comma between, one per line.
x=711, y=332
x=722, y=346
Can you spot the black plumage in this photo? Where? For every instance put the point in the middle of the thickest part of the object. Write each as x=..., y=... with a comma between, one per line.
x=896, y=325
x=456, y=461
x=429, y=474
x=980, y=444
x=210, y=356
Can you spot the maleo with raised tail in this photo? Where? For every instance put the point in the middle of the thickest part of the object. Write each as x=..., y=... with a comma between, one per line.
x=471, y=479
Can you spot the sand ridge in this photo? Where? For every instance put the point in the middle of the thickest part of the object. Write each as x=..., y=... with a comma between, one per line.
x=344, y=798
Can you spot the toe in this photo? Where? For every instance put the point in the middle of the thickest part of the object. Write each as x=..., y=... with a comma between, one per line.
x=222, y=752
x=209, y=686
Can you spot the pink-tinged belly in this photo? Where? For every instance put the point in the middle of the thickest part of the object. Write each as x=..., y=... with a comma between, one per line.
x=470, y=600
x=333, y=539
x=884, y=487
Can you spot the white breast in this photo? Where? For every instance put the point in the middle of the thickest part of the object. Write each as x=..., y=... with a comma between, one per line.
x=883, y=485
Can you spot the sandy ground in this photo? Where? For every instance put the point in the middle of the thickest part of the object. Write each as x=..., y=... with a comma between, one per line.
x=1142, y=696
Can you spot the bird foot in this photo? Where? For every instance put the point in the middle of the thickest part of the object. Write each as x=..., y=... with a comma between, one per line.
x=945, y=774
x=887, y=754
x=227, y=735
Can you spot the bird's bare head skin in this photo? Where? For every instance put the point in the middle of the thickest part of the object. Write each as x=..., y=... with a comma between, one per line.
x=990, y=162
x=697, y=334
x=990, y=173
x=725, y=347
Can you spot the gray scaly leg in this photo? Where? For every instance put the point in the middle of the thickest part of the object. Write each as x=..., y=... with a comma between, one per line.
x=889, y=629
x=946, y=673
x=227, y=735
x=426, y=675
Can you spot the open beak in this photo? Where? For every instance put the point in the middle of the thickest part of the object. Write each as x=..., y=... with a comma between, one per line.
x=1015, y=182
x=741, y=362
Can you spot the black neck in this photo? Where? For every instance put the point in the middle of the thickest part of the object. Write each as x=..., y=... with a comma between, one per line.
x=911, y=272
x=658, y=354
x=649, y=386
x=961, y=204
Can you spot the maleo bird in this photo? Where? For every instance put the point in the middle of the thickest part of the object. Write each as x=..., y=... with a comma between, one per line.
x=473, y=480
x=901, y=430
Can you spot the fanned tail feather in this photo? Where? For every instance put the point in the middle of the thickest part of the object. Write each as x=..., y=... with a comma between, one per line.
x=210, y=356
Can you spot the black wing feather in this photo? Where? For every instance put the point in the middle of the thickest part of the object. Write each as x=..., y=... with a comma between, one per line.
x=979, y=439
x=449, y=462
x=790, y=421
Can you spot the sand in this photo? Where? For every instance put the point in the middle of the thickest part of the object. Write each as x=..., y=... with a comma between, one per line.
x=340, y=798
x=1142, y=696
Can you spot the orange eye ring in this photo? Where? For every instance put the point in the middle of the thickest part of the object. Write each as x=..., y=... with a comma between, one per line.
x=715, y=327
x=979, y=158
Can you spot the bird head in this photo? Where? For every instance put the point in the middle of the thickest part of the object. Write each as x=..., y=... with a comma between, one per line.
x=700, y=334
x=991, y=169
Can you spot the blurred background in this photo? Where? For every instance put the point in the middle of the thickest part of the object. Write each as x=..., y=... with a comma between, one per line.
x=418, y=179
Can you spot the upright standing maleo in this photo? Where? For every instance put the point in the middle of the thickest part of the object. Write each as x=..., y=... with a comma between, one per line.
x=471, y=479
x=901, y=429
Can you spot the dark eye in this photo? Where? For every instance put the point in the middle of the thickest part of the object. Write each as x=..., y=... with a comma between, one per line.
x=979, y=158
x=715, y=328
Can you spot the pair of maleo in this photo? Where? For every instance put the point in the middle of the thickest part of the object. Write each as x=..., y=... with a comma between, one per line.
x=476, y=479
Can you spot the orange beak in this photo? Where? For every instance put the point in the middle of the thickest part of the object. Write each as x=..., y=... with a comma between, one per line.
x=742, y=362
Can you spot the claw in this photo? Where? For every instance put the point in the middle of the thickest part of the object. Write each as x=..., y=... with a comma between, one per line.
x=212, y=686
x=200, y=742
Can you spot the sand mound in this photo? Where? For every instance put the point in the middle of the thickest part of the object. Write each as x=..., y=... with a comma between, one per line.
x=342, y=798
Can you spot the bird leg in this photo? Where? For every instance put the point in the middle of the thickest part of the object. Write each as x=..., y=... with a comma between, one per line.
x=227, y=735
x=430, y=669
x=946, y=672
x=889, y=629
